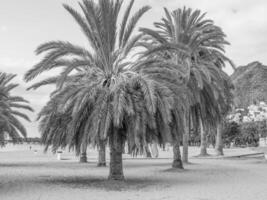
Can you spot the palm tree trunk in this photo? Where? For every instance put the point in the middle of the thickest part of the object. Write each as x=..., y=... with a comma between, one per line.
x=147, y=151
x=154, y=150
x=203, y=138
x=116, y=145
x=177, y=160
x=186, y=138
x=83, y=156
x=102, y=154
x=2, y=139
x=219, y=141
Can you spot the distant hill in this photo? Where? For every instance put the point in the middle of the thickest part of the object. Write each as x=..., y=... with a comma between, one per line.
x=250, y=83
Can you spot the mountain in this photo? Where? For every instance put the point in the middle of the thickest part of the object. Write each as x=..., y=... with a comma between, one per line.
x=250, y=83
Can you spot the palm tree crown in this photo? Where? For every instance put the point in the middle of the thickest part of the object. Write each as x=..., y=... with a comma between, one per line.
x=185, y=41
x=98, y=89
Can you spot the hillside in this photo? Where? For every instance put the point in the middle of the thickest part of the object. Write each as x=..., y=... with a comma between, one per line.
x=250, y=83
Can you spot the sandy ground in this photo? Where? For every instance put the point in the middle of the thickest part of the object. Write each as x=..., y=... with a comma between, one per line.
x=25, y=175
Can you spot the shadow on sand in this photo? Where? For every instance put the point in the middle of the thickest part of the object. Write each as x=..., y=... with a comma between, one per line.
x=101, y=183
x=59, y=164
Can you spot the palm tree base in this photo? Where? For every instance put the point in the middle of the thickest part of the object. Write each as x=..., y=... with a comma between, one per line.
x=177, y=164
x=219, y=152
x=148, y=155
x=147, y=152
x=116, y=177
x=185, y=161
x=203, y=155
x=203, y=151
x=83, y=158
x=101, y=164
x=101, y=154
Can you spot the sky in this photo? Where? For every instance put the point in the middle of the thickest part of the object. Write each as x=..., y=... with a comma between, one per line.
x=24, y=24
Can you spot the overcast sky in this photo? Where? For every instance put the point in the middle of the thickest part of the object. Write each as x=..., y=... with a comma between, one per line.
x=24, y=24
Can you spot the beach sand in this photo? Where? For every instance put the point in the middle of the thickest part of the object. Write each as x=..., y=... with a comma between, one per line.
x=30, y=176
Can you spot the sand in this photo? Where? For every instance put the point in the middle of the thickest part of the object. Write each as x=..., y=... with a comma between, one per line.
x=29, y=176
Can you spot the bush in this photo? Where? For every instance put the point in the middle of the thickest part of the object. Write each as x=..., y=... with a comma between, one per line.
x=245, y=134
x=250, y=133
x=262, y=127
x=231, y=132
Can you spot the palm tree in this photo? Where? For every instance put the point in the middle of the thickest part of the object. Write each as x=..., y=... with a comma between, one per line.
x=102, y=154
x=98, y=38
x=10, y=107
x=107, y=98
x=226, y=104
x=219, y=140
x=185, y=40
x=83, y=156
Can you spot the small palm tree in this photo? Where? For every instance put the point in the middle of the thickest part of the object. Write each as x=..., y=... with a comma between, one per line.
x=10, y=107
x=103, y=95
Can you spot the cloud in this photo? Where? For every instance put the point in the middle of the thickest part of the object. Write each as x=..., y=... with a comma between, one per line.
x=3, y=28
x=243, y=21
x=15, y=62
x=16, y=66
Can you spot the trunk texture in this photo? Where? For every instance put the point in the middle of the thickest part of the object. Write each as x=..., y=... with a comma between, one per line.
x=177, y=160
x=203, y=137
x=116, y=145
x=186, y=138
x=102, y=154
x=154, y=150
x=147, y=151
x=219, y=141
x=83, y=156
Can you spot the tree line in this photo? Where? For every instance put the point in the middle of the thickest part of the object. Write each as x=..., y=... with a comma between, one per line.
x=130, y=86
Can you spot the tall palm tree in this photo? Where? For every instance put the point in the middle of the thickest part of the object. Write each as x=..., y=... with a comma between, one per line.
x=184, y=40
x=101, y=38
x=10, y=107
x=106, y=97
